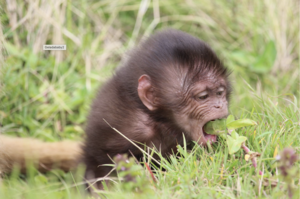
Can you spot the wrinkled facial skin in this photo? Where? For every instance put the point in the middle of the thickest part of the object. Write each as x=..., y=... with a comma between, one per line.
x=204, y=101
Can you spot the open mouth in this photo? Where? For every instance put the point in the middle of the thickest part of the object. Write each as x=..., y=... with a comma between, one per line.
x=209, y=137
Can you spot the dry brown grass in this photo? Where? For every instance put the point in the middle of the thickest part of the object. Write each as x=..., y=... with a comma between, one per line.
x=62, y=21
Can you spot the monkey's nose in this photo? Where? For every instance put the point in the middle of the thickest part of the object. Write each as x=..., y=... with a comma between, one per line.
x=218, y=105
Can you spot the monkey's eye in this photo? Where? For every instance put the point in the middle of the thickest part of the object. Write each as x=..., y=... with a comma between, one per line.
x=219, y=92
x=203, y=97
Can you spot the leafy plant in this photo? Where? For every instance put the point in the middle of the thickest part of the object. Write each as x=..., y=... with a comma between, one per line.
x=257, y=62
x=226, y=129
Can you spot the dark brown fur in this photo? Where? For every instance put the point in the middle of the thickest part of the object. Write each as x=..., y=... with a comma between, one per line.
x=171, y=85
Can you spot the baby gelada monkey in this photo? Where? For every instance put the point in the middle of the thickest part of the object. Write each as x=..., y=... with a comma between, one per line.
x=169, y=88
x=171, y=85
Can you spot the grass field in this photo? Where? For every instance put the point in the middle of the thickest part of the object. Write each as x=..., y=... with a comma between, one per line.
x=46, y=94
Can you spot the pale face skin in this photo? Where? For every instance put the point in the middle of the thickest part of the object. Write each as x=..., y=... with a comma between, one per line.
x=206, y=101
x=202, y=102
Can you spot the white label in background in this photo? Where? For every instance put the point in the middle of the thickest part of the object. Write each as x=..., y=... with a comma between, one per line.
x=54, y=47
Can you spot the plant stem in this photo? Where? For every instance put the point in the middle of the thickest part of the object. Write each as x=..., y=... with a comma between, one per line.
x=252, y=157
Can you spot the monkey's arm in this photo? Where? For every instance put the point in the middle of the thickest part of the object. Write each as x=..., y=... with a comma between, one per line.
x=64, y=155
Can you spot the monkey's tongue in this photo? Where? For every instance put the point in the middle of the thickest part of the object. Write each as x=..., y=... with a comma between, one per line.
x=211, y=138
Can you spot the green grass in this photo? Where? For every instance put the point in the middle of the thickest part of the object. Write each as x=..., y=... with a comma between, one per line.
x=47, y=95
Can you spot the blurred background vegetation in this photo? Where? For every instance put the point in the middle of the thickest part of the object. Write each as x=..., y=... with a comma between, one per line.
x=46, y=94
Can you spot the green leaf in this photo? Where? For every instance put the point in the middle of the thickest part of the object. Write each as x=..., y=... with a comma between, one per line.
x=242, y=57
x=230, y=119
x=234, y=134
x=240, y=123
x=216, y=127
x=234, y=142
x=265, y=61
x=232, y=147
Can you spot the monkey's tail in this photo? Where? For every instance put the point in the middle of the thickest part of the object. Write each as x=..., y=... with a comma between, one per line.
x=45, y=156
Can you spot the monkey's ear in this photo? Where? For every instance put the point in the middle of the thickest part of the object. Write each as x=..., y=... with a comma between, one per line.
x=146, y=92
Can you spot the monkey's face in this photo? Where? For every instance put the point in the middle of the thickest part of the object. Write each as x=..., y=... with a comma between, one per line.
x=205, y=100
x=188, y=107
